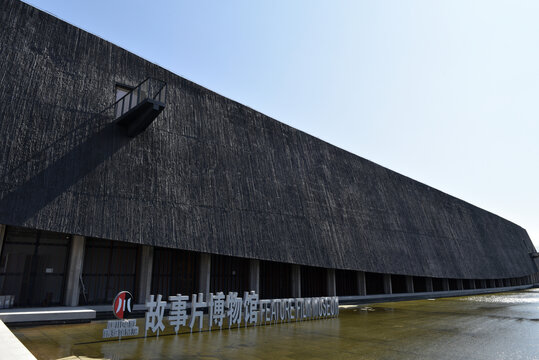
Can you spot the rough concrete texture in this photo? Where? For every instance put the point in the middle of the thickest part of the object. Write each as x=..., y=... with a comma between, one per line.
x=212, y=175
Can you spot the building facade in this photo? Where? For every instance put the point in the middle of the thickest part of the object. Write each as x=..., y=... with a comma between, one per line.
x=109, y=183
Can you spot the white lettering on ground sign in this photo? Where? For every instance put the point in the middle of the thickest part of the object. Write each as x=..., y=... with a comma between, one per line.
x=249, y=309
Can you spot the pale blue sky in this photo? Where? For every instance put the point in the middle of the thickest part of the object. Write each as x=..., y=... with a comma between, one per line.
x=445, y=92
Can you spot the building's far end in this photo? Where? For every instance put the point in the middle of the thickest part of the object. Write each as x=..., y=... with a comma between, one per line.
x=176, y=189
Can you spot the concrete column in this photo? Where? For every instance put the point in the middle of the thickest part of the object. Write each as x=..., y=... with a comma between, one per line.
x=471, y=282
x=428, y=285
x=492, y=283
x=361, y=284
x=144, y=286
x=74, y=270
x=204, y=274
x=409, y=284
x=2, y=235
x=331, y=283
x=387, y=284
x=445, y=284
x=254, y=276
x=295, y=280
x=483, y=284
x=460, y=284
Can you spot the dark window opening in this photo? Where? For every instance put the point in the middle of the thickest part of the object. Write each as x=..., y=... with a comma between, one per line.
x=437, y=284
x=109, y=267
x=346, y=283
x=374, y=283
x=174, y=272
x=33, y=266
x=313, y=281
x=275, y=280
x=398, y=284
x=229, y=274
x=420, y=284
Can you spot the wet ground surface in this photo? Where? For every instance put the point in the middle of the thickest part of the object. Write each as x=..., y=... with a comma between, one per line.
x=496, y=326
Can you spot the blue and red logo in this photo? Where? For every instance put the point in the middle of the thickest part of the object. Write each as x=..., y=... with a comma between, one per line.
x=122, y=305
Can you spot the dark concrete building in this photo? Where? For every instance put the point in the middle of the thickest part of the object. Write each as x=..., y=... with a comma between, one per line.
x=109, y=182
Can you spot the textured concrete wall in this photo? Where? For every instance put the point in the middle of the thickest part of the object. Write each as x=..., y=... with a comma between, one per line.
x=210, y=174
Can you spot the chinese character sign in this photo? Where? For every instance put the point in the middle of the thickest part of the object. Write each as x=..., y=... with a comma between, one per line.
x=248, y=309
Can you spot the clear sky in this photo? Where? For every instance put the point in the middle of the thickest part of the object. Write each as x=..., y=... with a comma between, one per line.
x=445, y=92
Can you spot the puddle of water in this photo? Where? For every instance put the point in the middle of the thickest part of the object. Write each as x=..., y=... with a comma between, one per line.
x=498, y=326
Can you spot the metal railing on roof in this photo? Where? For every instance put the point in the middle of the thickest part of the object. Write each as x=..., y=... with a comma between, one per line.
x=149, y=89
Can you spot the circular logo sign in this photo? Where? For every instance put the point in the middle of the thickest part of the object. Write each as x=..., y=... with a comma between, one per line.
x=122, y=305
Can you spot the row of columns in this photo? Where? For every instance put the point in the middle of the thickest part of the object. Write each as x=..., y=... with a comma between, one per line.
x=388, y=289
x=76, y=261
x=2, y=233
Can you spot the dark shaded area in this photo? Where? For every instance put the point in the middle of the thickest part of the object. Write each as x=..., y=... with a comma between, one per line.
x=419, y=284
x=313, y=281
x=139, y=118
x=437, y=284
x=398, y=284
x=346, y=283
x=31, y=196
x=374, y=283
x=275, y=280
x=109, y=267
x=229, y=274
x=33, y=266
x=174, y=272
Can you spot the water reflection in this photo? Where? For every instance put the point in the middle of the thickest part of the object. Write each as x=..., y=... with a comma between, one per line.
x=499, y=326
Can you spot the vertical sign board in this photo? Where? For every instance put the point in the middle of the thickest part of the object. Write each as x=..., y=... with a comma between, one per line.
x=122, y=306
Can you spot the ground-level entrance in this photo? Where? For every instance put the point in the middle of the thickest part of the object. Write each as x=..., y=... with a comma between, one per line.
x=33, y=266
